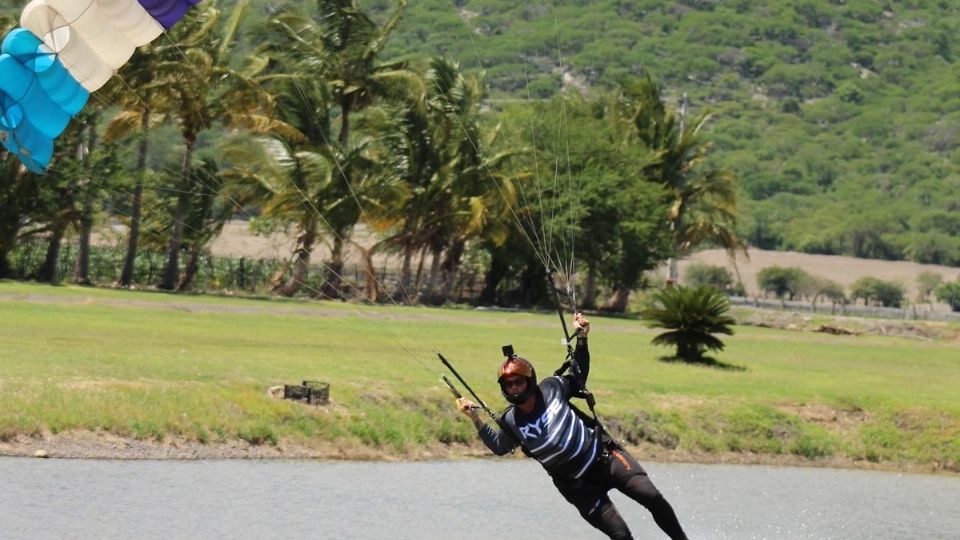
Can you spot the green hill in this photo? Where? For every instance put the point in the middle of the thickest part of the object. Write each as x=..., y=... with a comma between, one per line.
x=838, y=116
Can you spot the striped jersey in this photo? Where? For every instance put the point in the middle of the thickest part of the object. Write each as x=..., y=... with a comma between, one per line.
x=552, y=433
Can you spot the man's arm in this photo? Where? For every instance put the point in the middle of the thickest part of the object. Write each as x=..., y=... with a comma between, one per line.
x=499, y=441
x=581, y=354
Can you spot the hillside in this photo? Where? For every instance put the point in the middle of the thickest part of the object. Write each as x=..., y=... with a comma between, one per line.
x=838, y=117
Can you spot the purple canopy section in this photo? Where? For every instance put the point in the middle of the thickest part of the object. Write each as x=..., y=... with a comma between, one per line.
x=168, y=12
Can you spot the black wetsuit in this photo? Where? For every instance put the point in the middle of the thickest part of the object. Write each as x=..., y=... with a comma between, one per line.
x=583, y=465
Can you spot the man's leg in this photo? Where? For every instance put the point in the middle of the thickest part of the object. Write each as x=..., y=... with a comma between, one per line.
x=596, y=508
x=629, y=477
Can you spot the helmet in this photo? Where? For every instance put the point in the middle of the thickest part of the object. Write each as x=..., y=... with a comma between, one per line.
x=512, y=366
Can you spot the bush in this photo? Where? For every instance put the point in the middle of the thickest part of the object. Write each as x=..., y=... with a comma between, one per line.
x=949, y=293
x=693, y=315
x=784, y=282
x=873, y=291
x=927, y=284
x=816, y=287
x=700, y=274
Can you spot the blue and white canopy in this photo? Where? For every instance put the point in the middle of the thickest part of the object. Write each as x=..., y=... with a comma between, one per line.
x=63, y=50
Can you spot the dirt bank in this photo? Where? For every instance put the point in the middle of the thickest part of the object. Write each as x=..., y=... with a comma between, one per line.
x=99, y=445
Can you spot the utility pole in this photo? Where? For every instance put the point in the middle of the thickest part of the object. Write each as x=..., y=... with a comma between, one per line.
x=672, y=273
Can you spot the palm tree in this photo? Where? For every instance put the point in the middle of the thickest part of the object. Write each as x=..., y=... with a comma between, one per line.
x=195, y=83
x=704, y=202
x=188, y=77
x=63, y=193
x=220, y=197
x=136, y=118
x=692, y=315
x=468, y=194
x=97, y=170
x=334, y=70
x=301, y=184
x=403, y=151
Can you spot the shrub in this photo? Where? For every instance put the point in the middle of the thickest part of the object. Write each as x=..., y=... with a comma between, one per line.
x=927, y=284
x=784, y=282
x=949, y=293
x=700, y=274
x=873, y=290
x=693, y=315
x=816, y=287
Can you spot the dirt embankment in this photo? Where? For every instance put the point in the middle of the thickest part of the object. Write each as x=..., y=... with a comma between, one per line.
x=99, y=445
x=89, y=445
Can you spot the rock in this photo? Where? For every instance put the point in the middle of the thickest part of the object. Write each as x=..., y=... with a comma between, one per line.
x=41, y=454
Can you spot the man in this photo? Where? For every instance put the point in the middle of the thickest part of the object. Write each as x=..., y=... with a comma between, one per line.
x=583, y=461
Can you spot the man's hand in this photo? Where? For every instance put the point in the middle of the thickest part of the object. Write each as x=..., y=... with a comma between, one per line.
x=468, y=408
x=580, y=324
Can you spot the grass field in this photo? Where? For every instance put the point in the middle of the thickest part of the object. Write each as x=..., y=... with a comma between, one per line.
x=152, y=366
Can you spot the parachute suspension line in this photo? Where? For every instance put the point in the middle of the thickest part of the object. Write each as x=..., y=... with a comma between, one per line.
x=343, y=175
x=569, y=251
x=543, y=246
x=393, y=338
x=330, y=227
x=542, y=240
x=542, y=256
x=571, y=363
x=536, y=169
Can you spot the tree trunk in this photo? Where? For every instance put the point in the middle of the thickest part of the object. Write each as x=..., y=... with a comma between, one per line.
x=4, y=263
x=618, y=302
x=301, y=262
x=171, y=273
x=333, y=283
x=344, y=137
x=193, y=264
x=416, y=285
x=589, y=300
x=126, y=277
x=499, y=266
x=372, y=285
x=449, y=268
x=48, y=272
x=536, y=287
x=9, y=227
x=429, y=293
x=81, y=272
x=406, y=273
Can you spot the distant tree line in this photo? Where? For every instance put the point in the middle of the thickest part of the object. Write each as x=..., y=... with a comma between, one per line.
x=792, y=283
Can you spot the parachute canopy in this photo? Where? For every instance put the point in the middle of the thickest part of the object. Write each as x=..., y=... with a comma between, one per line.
x=62, y=51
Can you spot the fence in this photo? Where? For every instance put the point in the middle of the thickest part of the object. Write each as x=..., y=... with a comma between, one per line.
x=222, y=274
x=253, y=276
x=911, y=311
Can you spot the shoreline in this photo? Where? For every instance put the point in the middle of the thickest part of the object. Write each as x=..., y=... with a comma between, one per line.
x=106, y=446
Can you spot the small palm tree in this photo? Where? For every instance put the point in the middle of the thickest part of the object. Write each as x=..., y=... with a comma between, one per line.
x=692, y=315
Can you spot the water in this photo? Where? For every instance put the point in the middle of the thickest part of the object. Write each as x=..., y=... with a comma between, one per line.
x=481, y=499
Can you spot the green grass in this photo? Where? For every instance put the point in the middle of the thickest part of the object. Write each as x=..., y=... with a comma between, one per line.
x=149, y=365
